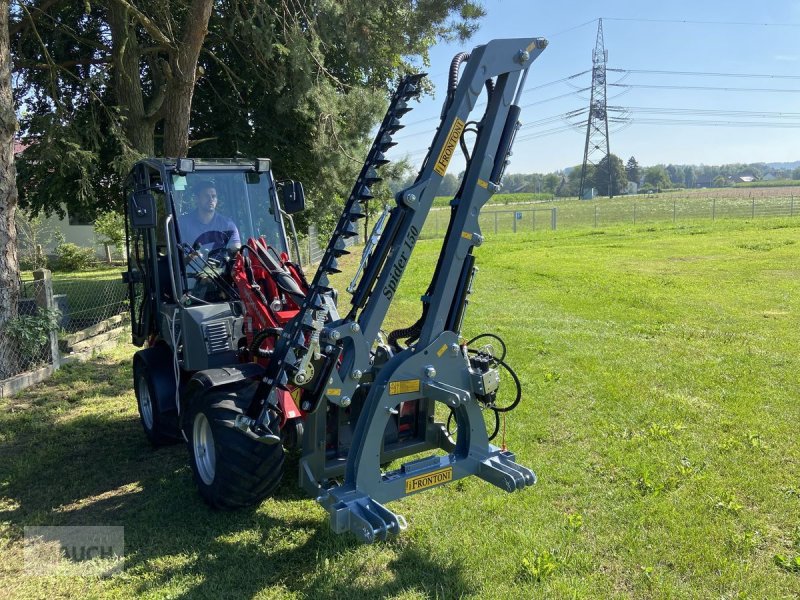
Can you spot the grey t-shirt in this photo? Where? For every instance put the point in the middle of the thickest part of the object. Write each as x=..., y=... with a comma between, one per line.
x=219, y=232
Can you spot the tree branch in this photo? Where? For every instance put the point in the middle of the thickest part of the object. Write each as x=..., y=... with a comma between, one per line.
x=148, y=24
x=30, y=17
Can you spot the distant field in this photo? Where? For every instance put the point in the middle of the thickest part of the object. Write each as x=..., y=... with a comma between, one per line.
x=660, y=369
x=677, y=207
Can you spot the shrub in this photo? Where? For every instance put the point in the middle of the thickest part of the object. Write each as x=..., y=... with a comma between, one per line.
x=30, y=334
x=72, y=257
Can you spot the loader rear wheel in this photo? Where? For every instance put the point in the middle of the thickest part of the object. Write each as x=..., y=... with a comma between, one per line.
x=230, y=467
x=159, y=419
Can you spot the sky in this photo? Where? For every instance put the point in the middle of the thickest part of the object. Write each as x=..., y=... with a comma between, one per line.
x=736, y=37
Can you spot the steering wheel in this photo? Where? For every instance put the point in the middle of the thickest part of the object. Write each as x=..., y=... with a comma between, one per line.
x=219, y=252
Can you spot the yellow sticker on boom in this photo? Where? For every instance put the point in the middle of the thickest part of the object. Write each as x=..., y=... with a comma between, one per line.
x=420, y=482
x=449, y=147
x=483, y=183
x=466, y=235
x=441, y=350
x=333, y=392
x=406, y=386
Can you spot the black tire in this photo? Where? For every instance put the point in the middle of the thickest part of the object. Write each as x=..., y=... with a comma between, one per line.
x=245, y=471
x=159, y=419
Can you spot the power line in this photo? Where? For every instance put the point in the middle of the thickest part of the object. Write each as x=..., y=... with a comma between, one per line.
x=706, y=112
x=532, y=89
x=704, y=74
x=700, y=87
x=694, y=22
x=703, y=122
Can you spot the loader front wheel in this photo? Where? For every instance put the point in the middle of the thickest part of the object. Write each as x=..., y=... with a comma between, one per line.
x=230, y=467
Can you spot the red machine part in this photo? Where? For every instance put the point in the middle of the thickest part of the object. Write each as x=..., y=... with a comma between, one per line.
x=259, y=274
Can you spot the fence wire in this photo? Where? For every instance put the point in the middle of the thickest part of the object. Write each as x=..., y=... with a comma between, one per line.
x=78, y=309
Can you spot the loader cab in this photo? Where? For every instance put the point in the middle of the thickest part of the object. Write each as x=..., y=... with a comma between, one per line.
x=178, y=240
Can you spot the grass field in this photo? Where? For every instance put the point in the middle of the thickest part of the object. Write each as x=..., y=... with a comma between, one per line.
x=660, y=368
x=531, y=212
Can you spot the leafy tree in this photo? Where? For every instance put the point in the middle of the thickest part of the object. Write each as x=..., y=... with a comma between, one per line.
x=100, y=80
x=689, y=176
x=633, y=171
x=110, y=230
x=675, y=175
x=657, y=177
x=550, y=183
x=9, y=267
x=614, y=166
x=719, y=181
x=302, y=82
x=796, y=173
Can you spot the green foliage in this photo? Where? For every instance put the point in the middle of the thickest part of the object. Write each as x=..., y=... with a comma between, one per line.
x=612, y=166
x=633, y=171
x=110, y=229
x=656, y=177
x=71, y=257
x=30, y=333
x=32, y=234
x=304, y=85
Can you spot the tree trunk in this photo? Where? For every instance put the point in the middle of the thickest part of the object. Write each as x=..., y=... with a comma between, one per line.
x=180, y=86
x=9, y=267
x=126, y=56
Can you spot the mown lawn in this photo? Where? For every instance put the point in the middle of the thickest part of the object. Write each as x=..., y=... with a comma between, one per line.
x=660, y=367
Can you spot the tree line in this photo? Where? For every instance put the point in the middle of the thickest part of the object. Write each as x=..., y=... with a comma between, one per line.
x=566, y=182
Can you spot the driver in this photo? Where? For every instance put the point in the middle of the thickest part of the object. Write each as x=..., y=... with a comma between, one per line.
x=204, y=228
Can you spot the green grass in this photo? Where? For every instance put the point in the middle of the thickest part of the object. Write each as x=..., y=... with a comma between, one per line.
x=660, y=368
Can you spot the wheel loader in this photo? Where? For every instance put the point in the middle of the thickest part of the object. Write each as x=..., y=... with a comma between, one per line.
x=245, y=359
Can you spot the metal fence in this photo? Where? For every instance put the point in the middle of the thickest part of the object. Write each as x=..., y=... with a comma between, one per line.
x=56, y=319
x=639, y=210
x=664, y=209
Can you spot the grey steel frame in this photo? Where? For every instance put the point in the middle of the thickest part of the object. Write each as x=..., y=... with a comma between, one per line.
x=436, y=362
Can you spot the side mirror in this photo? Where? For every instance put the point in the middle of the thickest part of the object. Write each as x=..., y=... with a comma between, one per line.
x=142, y=210
x=293, y=197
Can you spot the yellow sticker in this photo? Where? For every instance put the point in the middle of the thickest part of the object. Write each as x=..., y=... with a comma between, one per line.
x=420, y=482
x=531, y=46
x=449, y=147
x=466, y=235
x=441, y=350
x=483, y=184
x=333, y=392
x=406, y=386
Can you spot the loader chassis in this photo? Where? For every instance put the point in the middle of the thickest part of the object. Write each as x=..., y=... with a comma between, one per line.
x=357, y=400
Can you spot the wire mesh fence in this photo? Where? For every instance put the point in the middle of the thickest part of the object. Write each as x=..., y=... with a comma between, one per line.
x=25, y=342
x=59, y=316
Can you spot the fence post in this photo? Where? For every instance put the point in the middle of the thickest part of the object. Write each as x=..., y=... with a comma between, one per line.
x=553, y=218
x=45, y=301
